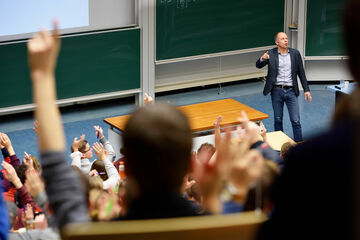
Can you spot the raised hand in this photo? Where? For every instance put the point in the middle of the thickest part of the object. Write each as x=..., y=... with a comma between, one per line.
x=1, y=144
x=265, y=56
x=99, y=151
x=248, y=130
x=10, y=174
x=187, y=183
x=27, y=216
x=43, y=50
x=211, y=175
x=76, y=142
x=246, y=169
x=147, y=99
x=34, y=184
x=99, y=132
x=217, y=123
x=5, y=140
x=263, y=131
x=28, y=162
x=36, y=127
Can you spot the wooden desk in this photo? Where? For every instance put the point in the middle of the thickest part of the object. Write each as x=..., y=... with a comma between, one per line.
x=202, y=115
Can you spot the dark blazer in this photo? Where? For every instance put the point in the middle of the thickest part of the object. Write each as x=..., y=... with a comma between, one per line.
x=297, y=69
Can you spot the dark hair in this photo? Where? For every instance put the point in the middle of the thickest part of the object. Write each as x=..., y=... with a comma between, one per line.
x=157, y=146
x=20, y=171
x=82, y=146
x=99, y=166
x=285, y=148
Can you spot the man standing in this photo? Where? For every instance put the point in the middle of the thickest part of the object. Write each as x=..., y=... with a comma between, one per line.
x=285, y=64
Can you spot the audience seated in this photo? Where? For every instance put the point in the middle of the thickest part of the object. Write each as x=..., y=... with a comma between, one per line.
x=82, y=152
x=104, y=168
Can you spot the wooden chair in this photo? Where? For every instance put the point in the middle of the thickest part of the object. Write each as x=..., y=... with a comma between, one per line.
x=242, y=226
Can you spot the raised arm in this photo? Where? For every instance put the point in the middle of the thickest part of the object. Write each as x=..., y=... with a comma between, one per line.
x=66, y=198
x=106, y=143
x=263, y=60
x=113, y=175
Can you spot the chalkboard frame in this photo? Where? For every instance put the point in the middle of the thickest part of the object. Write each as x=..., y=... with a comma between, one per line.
x=262, y=47
x=316, y=51
x=19, y=94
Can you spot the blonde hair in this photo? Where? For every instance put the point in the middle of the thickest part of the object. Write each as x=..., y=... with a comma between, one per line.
x=36, y=163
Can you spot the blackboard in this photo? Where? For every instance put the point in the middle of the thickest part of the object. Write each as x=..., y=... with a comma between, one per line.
x=88, y=64
x=324, y=28
x=194, y=27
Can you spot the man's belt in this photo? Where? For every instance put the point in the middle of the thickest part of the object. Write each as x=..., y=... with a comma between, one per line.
x=283, y=86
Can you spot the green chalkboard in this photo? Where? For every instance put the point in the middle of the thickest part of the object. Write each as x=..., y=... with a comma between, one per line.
x=88, y=64
x=324, y=28
x=195, y=27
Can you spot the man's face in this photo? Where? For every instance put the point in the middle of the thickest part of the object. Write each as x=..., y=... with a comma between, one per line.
x=282, y=40
x=88, y=153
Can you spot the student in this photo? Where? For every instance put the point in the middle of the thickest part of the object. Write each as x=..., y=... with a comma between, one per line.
x=82, y=153
x=104, y=168
x=66, y=197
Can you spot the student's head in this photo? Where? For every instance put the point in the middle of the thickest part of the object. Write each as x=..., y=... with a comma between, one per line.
x=285, y=148
x=85, y=149
x=99, y=166
x=205, y=152
x=21, y=172
x=157, y=146
x=269, y=175
x=281, y=40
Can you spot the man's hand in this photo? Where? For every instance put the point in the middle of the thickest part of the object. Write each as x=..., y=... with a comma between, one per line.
x=99, y=132
x=76, y=143
x=43, y=50
x=265, y=56
x=308, y=96
x=34, y=184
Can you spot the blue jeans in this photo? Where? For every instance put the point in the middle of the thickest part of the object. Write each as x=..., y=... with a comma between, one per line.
x=280, y=96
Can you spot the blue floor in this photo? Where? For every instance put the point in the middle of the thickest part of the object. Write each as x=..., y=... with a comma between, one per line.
x=315, y=116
